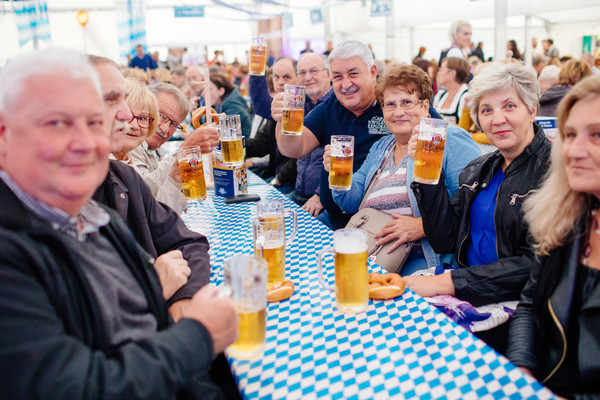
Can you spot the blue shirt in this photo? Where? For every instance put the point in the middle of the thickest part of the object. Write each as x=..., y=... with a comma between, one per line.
x=143, y=63
x=482, y=250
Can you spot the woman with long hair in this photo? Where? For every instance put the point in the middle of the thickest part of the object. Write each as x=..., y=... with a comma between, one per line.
x=555, y=332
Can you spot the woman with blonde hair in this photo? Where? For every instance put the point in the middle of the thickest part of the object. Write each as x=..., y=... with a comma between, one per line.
x=144, y=108
x=460, y=36
x=555, y=332
x=572, y=72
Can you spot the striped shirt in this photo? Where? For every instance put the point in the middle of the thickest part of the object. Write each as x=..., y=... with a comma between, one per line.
x=390, y=193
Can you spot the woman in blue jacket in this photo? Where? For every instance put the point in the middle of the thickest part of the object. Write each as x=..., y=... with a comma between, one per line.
x=403, y=92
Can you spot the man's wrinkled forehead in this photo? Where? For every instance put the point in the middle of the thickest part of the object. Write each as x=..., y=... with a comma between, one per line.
x=112, y=82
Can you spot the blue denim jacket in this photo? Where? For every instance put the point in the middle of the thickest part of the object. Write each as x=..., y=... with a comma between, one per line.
x=460, y=150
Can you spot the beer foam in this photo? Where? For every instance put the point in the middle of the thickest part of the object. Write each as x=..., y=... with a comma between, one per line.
x=347, y=245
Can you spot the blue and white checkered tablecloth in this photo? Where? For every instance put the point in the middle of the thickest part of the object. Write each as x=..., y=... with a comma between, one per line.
x=400, y=348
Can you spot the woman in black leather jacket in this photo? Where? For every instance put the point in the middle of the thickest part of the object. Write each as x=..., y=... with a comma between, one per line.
x=555, y=332
x=483, y=223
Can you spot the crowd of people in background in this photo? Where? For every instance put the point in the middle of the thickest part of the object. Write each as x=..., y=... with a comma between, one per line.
x=482, y=219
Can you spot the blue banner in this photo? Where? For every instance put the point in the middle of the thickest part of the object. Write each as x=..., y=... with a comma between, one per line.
x=381, y=8
x=32, y=20
x=131, y=26
x=190, y=11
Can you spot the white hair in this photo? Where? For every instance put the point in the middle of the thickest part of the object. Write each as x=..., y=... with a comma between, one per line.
x=39, y=63
x=549, y=73
x=455, y=29
x=352, y=48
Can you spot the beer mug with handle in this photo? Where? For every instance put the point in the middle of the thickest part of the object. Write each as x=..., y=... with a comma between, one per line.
x=350, y=250
x=230, y=134
x=192, y=173
x=293, y=109
x=268, y=231
x=245, y=279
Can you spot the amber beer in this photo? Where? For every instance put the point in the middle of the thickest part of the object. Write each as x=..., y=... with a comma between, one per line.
x=293, y=109
x=245, y=278
x=340, y=173
x=293, y=120
x=233, y=151
x=350, y=251
x=342, y=157
x=274, y=253
x=252, y=331
x=258, y=57
x=192, y=173
x=430, y=150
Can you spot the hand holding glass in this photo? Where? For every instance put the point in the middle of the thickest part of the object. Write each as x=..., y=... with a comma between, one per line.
x=430, y=150
x=258, y=56
x=192, y=173
x=342, y=156
x=293, y=109
x=230, y=134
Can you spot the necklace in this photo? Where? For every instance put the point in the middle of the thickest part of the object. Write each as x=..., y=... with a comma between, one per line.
x=596, y=230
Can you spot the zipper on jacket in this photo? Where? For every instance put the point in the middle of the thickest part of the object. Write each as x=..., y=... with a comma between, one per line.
x=470, y=187
x=515, y=196
x=564, y=339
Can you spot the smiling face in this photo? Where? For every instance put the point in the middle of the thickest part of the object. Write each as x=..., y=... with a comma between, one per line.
x=54, y=142
x=313, y=75
x=463, y=37
x=401, y=121
x=506, y=122
x=283, y=74
x=167, y=106
x=215, y=93
x=136, y=135
x=353, y=83
x=581, y=147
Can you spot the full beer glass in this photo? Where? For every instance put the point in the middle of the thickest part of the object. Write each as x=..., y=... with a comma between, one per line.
x=192, y=173
x=245, y=278
x=268, y=231
x=430, y=150
x=258, y=56
x=230, y=134
x=342, y=156
x=293, y=109
x=350, y=250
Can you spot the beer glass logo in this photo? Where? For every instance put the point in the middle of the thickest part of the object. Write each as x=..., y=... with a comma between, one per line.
x=298, y=97
x=346, y=151
x=193, y=163
x=436, y=139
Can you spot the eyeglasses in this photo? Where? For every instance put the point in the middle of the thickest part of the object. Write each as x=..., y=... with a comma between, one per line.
x=172, y=125
x=405, y=104
x=313, y=71
x=143, y=121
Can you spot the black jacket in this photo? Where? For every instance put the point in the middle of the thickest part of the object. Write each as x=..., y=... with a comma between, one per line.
x=155, y=226
x=542, y=318
x=447, y=224
x=550, y=99
x=53, y=342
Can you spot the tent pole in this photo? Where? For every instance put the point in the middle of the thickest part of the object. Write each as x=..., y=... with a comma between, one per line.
x=500, y=13
x=390, y=34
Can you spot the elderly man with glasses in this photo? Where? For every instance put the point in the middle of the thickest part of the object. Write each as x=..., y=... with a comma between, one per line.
x=155, y=165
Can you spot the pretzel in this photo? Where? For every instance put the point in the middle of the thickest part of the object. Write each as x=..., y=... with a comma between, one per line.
x=282, y=292
x=384, y=287
x=199, y=113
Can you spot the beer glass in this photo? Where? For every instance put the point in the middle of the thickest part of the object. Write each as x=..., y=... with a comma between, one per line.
x=430, y=150
x=350, y=250
x=230, y=134
x=293, y=109
x=268, y=232
x=192, y=173
x=245, y=278
x=342, y=156
x=258, y=56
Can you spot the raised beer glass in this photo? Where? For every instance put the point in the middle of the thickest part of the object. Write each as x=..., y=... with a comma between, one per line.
x=258, y=56
x=342, y=156
x=192, y=173
x=430, y=150
x=230, y=134
x=245, y=278
x=350, y=250
x=268, y=231
x=293, y=109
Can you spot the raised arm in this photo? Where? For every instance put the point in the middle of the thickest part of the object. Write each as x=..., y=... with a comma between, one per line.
x=291, y=145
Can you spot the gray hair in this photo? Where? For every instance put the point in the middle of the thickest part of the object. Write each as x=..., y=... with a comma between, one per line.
x=174, y=91
x=52, y=60
x=352, y=48
x=549, y=73
x=501, y=76
x=321, y=57
x=455, y=28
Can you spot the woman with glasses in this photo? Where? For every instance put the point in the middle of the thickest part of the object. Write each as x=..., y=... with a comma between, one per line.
x=483, y=224
x=452, y=77
x=403, y=92
x=144, y=108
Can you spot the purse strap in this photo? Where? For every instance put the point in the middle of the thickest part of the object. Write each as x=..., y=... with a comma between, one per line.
x=376, y=176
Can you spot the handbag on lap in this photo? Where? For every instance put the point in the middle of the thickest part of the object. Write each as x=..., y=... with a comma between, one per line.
x=372, y=221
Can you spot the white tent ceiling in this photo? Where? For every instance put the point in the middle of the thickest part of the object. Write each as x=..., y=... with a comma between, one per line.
x=229, y=24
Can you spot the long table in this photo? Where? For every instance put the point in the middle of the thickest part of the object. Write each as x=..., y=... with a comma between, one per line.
x=400, y=348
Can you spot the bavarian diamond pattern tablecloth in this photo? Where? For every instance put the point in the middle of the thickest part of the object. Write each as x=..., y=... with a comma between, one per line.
x=401, y=348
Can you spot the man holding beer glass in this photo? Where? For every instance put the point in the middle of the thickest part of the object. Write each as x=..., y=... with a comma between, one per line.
x=352, y=111
x=403, y=92
x=483, y=223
